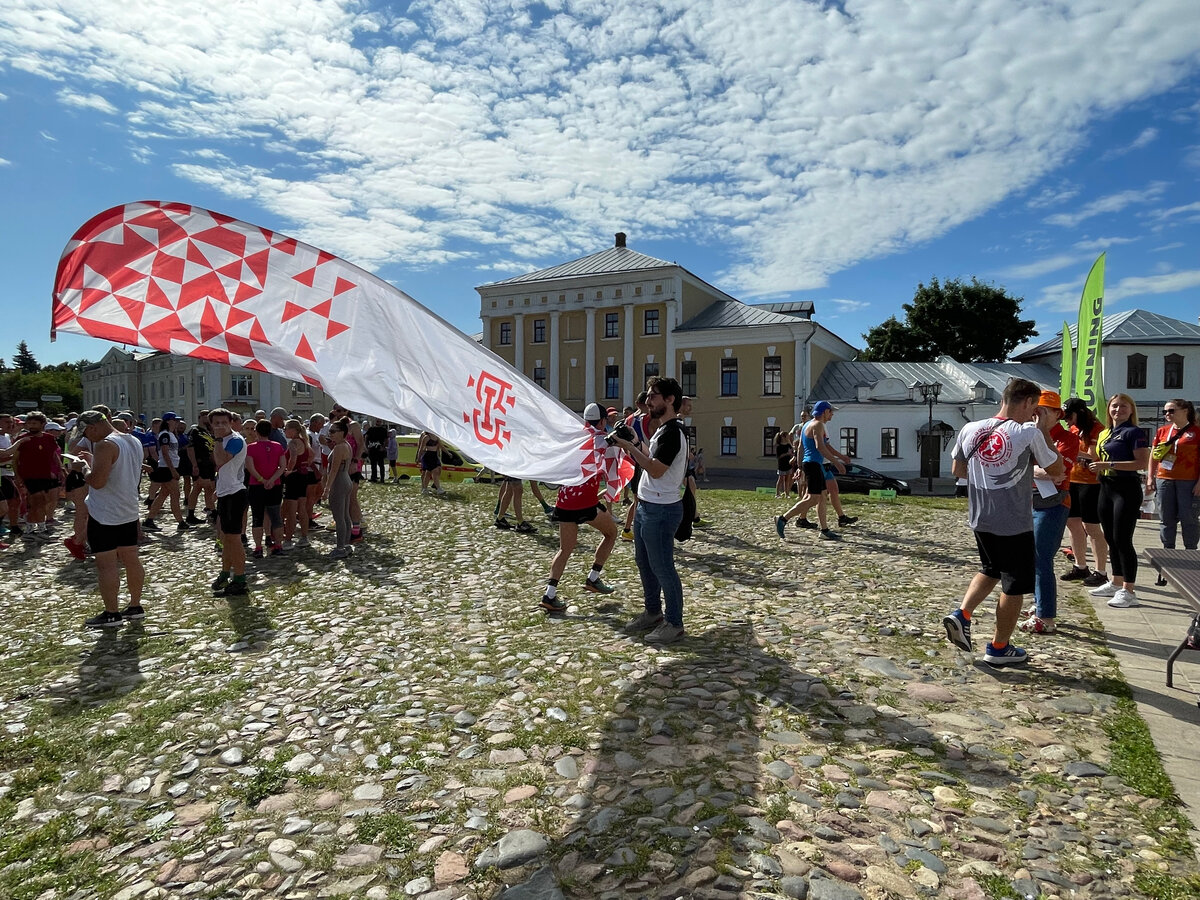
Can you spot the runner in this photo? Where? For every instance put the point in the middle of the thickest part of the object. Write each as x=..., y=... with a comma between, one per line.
x=166, y=475
x=339, y=486
x=266, y=464
x=817, y=449
x=429, y=453
x=38, y=468
x=229, y=454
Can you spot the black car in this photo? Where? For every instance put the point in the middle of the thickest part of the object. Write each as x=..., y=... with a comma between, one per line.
x=861, y=480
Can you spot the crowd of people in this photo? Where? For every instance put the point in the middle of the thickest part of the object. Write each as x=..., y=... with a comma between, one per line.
x=1040, y=468
x=1036, y=471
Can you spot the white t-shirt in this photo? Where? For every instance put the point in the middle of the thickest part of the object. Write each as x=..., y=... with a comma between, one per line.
x=5, y=442
x=1000, y=454
x=168, y=449
x=231, y=477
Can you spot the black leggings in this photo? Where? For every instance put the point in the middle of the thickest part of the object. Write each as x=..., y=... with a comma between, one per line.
x=1120, y=507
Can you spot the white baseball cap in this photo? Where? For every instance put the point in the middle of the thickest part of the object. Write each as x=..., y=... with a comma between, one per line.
x=593, y=413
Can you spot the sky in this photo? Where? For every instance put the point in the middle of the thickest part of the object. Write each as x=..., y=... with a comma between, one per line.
x=839, y=152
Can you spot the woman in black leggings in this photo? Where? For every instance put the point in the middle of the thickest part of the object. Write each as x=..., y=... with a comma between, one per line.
x=1124, y=452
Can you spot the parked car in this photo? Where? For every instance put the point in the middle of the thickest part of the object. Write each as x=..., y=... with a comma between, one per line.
x=455, y=468
x=860, y=480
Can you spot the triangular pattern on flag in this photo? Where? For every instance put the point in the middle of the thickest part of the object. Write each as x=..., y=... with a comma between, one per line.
x=304, y=351
x=342, y=285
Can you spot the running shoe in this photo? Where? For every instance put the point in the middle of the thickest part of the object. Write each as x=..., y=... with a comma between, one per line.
x=339, y=552
x=627, y=534
x=219, y=584
x=106, y=619
x=1076, y=574
x=149, y=525
x=277, y=550
x=828, y=534
x=303, y=542
x=958, y=630
x=1034, y=625
x=503, y=524
x=843, y=521
x=4, y=546
x=79, y=551
x=1095, y=579
x=133, y=612
x=1124, y=599
x=258, y=553
x=665, y=633
x=553, y=604
x=804, y=523
x=1009, y=656
x=191, y=519
x=598, y=586
x=236, y=589
x=182, y=525
x=525, y=528
x=780, y=523
x=356, y=537
x=1108, y=589
x=645, y=622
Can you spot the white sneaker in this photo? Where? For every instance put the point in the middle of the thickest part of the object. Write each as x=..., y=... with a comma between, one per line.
x=1124, y=599
x=1108, y=589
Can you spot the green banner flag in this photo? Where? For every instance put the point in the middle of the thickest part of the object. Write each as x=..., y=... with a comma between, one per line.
x=1067, y=369
x=1089, y=374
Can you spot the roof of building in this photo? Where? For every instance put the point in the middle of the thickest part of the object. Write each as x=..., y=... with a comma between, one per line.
x=840, y=381
x=802, y=308
x=614, y=259
x=1134, y=326
x=734, y=314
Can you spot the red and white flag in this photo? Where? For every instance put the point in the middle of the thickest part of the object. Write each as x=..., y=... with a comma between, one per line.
x=184, y=280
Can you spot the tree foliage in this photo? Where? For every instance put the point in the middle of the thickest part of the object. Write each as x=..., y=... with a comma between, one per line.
x=970, y=321
x=25, y=360
x=64, y=379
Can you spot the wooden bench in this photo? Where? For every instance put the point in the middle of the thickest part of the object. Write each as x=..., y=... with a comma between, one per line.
x=1181, y=570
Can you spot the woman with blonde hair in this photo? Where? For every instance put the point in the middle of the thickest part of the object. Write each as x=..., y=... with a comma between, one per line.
x=1124, y=452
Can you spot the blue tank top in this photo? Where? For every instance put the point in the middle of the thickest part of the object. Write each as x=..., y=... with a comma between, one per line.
x=812, y=453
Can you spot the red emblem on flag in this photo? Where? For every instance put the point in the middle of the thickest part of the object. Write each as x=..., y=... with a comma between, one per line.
x=496, y=399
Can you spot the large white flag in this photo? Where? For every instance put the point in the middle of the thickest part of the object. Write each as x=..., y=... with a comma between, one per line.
x=180, y=279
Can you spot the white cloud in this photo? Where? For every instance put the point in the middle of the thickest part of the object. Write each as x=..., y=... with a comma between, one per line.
x=86, y=101
x=1168, y=283
x=812, y=136
x=849, y=306
x=1041, y=267
x=1095, y=245
x=1188, y=211
x=1113, y=203
x=5, y=162
x=1172, y=246
x=1052, y=196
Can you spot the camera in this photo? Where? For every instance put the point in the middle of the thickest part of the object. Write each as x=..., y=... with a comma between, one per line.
x=620, y=430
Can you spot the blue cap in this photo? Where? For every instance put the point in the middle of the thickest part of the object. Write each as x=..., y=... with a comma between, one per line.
x=822, y=406
x=168, y=416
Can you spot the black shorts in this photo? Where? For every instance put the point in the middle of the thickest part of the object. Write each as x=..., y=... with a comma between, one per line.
x=356, y=477
x=184, y=468
x=814, y=477
x=40, y=485
x=295, y=485
x=231, y=510
x=74, y=481
x=161, y=475
x=314, y=477
x=103, y=538
x=578, y=516
x=1009, y=558
x=783, y=465
x=8, y=488
x=1085, y=500
x=431, y=460
x=206, y=471
x=508, y=480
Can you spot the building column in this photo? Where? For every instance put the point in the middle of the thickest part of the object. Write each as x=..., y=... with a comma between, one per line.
x=589, y=357
x=487, y=332
x=801, y=382
x=628, y=388
x=668, y=367
x=555, y=387
x=519, y=342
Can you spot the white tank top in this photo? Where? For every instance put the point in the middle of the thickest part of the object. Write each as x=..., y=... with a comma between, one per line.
x=117, y=502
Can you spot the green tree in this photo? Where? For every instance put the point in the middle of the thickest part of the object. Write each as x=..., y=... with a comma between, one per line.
x=24, y=360
x=971, y=321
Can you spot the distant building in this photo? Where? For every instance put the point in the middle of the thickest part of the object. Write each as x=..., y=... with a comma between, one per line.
x=1148, y=356
x=883, y=417
x=149, y=384
x=595, y=328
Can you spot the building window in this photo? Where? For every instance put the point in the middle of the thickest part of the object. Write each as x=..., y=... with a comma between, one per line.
x=729, y=440
x=612, y=382
x=611, y=326
x=199, y=387
x=505, y=333
x=889, y=443
x=651, y=320
x=772, y=376
x=652, y=372
x=301, y=389
x=687, y=377
x=850, y=442
x=729, y=381
x=1135, y=377
x=1173, y=372
x=769, y=440
x=153, y=391
x=539, y=376
x=539, y=331
x=241, y=386
x=182, y=387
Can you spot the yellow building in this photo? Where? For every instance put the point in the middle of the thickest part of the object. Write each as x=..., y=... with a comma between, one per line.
x=595, y=328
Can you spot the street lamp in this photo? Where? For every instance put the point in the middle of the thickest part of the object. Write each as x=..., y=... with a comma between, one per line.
x=930, y=394
x=121, y=400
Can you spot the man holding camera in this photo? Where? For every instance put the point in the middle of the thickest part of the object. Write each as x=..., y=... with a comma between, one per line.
x=659, y=512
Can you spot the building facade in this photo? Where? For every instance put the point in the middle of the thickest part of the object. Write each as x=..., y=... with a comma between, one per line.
x=595, y=328
x=150, y=384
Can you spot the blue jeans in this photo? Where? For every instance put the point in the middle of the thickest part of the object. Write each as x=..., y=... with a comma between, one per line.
x=1048, y=527
x=654, y=527
x=1178, y=506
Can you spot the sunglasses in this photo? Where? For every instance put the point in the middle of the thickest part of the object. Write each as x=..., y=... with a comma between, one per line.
x=1170, y=409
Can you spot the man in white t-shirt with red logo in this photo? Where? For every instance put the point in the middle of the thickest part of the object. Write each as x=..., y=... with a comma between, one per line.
x=996, y=456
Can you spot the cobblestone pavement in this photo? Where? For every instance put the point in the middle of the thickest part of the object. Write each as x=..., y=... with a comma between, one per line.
x=407, y=723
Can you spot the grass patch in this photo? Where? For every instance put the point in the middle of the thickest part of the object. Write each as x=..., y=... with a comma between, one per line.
x=390, y=829
x=997, y=887
x=1161, y=886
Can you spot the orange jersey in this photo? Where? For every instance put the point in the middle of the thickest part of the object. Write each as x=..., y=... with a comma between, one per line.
x=1087, y=447
x=1183, y=462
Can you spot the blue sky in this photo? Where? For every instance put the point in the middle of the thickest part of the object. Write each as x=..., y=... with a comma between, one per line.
x=839, y=153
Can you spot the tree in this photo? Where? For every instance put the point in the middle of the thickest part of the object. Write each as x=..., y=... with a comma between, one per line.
x=973, y=322
x=24, y=360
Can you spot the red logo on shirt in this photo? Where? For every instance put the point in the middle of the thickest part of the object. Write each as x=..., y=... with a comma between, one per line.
x=496, y=400
x=994, y=450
